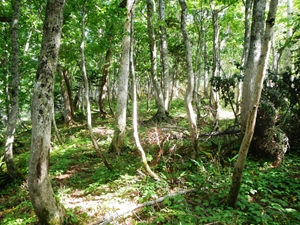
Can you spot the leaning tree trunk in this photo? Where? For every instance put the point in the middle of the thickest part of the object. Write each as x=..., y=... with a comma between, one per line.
x=190, y=87
x=134, y=108
x=14, y=103
x=87, y=92
x=259, y=78
x=257, y=31
x=46, y=206
x=120, y=124
x=158, y=94
x=164, y=52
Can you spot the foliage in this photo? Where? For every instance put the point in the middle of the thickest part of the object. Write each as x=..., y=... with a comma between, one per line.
x=89, y=191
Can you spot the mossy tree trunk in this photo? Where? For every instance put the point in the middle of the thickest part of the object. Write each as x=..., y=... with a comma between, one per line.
x=46, y=207
x=259, y=78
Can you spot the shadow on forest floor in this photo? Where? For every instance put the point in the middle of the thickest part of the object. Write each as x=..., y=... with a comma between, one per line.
x=89, y=191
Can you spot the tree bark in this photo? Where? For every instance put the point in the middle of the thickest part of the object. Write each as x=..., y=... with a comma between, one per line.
x=190, y=87
x=67, y=95
x=259, y=78
x=158, y=94
x=87, y=91
x=46, y=206
x=120, y=124
x=14, y=100
x=134, y=107
x=257, y=30
x=164, y=52
x=214, y=95
x=248, y=7
x=104, y=81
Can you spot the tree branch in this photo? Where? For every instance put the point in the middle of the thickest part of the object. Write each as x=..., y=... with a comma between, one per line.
x=109, y=217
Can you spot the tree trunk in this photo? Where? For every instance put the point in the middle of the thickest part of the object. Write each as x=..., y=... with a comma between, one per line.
x=190, y=87
x=214, y=95
x=287, y=59
x=134, y=108
x=158, y=94
x=257, y=30
x=164, y=52
x=14, y=103
x=87, y=91
x=120, y=124
x=67, y=95
x=104, y=82
x=248, y=7
x=46, y=206
x=259, y=78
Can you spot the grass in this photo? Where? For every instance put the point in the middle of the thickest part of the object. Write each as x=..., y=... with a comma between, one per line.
x=89, y=191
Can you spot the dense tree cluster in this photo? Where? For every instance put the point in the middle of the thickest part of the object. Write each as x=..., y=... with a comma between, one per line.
x=61, y=59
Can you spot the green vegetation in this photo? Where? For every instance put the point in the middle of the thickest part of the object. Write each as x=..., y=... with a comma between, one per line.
x=89, y=191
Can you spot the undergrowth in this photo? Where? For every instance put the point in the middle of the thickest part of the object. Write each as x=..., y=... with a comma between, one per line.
x=89, y=191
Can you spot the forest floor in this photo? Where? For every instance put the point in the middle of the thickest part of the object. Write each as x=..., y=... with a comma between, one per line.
x=198, y=187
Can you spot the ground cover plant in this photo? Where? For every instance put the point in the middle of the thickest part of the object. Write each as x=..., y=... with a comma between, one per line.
x=197, y=188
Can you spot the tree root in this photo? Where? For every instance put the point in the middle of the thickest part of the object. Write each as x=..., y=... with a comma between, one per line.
x=109, y=217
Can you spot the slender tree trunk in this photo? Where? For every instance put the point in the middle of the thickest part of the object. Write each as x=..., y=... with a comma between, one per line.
x=206, y=69
x=248, y=7
x=46, y=207
x=66, y=93
x=259, y=78
x=158, y=94
x=164, y=52
x=104, y=82
x=87, y=91
x=190, y=87
x=199, y=57
x=134, y=108
x=257, y=30
x=14, y=103
x=287, y=59
x=120, y=124
x=214, y=95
